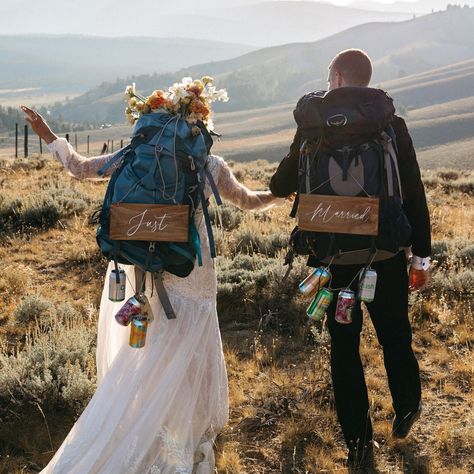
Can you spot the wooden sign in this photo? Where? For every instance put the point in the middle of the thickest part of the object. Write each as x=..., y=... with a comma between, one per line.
x=338, y=214
x=149, y=222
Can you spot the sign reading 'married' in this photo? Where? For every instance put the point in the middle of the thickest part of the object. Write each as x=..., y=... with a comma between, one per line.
x=150, y=222
x=338, y=214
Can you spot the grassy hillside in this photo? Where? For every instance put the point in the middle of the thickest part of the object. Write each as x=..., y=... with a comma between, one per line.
x=274, y=75
x=282, y=416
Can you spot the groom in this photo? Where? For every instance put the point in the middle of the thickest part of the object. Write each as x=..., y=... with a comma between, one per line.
x=389, y=310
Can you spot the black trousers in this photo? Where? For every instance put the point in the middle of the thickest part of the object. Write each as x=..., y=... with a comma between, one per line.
x=389, y=314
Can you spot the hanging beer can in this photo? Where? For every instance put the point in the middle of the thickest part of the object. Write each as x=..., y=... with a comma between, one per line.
x=345, y=304
x=314, y=281
x=138, y=331
x=117, y=285
x=367, y=285
x=133, y=307
x=320, y=304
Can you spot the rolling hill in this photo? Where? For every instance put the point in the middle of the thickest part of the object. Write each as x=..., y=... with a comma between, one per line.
x=279, y=74
x=76, y=63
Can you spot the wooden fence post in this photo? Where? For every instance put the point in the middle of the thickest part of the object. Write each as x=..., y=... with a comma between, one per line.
x=25, y=142
x=41, y=146
x=16, y=140
x=121, y=143
x=67, y=137
x=75, y=141
x=112, y=146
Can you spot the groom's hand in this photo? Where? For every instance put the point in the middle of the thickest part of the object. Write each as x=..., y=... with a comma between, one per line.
x=38, y=124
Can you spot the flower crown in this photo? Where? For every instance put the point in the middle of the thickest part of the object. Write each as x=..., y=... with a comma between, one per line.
x=191, y=99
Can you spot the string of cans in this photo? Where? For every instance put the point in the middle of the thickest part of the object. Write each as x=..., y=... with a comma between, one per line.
x=136, y=311
x=314, y=285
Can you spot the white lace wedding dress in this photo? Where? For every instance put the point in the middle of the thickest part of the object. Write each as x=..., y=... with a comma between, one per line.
x=158, y=409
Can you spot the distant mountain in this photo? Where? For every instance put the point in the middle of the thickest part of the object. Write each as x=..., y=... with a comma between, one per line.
x=76, y=63
x=278, y=74
x=418, y=7
x=238, y=21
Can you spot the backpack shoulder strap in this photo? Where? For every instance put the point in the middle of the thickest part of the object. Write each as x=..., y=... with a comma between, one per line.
x=390, y=155
x=114, y=159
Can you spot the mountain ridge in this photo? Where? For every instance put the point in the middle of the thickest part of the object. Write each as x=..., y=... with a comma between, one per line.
x=283, y=73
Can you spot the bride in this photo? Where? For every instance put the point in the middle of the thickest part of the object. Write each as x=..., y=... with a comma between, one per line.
x=156, y=410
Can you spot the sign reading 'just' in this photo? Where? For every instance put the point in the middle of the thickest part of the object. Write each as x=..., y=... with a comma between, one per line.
x=338, y=214
x=149, y=222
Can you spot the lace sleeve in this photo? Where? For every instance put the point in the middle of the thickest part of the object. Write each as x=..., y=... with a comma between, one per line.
x=79, y=166
x=235, y=192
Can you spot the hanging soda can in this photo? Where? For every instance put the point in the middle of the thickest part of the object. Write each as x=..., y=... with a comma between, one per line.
x=367, y=284
x=138, y=331
x=320, y=304
x=345, y=304
x=128, y=311
x=314, y=281
x=117, y=285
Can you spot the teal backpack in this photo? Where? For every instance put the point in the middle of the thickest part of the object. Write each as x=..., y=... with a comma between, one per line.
x=165, y=163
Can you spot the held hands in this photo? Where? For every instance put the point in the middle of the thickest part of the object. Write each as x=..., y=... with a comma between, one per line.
x=38, y=124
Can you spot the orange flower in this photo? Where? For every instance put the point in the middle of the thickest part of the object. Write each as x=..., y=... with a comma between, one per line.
x=195, y=89
x=198, y=107
x=157, y=100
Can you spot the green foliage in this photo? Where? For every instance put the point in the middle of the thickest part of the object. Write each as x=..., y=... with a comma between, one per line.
x=450, y=181
x=226, y=216
x=459, y=284
x=52, y=203
x=32, y=308
x=55, y=369
x=249, y=242
x=248, y=286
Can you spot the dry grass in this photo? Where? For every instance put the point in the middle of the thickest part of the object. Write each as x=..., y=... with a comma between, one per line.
x=282, y=417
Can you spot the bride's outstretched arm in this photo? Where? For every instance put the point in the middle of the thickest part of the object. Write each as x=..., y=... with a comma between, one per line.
x=238, y=194
x=79, y=166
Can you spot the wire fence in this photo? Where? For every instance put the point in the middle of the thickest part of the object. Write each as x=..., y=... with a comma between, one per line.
x=23, y=143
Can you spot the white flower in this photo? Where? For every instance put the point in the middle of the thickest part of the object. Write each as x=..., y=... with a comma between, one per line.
x=216, y=95
x=130, y=90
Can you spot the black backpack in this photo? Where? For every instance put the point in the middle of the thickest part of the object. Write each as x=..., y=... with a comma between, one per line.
x=348, y=148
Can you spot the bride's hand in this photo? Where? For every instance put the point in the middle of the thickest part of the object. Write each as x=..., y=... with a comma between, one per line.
x=38, y=124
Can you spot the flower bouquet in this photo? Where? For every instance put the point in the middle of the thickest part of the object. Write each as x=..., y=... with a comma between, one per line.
x=190, y=99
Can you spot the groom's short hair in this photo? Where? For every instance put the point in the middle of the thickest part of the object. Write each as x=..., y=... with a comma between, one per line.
x=354, y=65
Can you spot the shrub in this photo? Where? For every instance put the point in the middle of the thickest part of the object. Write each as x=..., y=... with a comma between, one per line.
x=14, y=281
x=33, y=308
x=466, y=253
x=250, y=242
x=249, y=286
x=227, y=216
x=43, y=212
x=440, y=249
x=54, y=369
x=460, y=284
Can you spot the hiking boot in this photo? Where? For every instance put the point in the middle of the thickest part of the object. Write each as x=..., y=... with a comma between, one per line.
x=402, y=425
x=361, y=459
